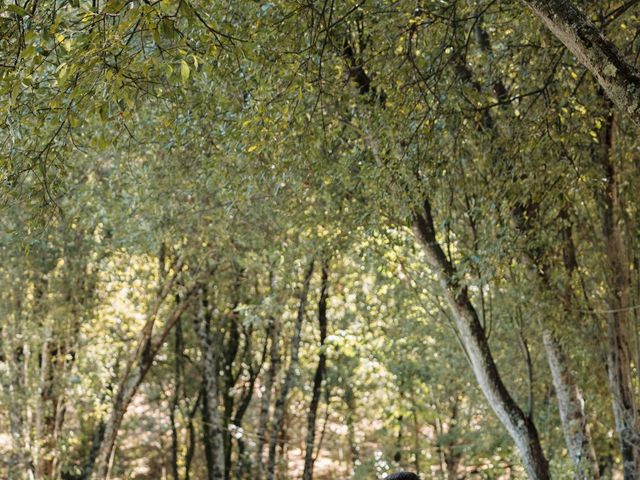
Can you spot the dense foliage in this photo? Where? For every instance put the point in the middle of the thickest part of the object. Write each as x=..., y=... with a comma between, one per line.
x=335, y=239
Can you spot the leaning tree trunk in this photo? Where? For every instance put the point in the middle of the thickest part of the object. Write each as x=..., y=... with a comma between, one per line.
x=573, y=417
x=279, y=413
x=572, y=414
x=137, y=369
x=318, y=377
x=618, y=78
x=138, y=364
x=472, y=335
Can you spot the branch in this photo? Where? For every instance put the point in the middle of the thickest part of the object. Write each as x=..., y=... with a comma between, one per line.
x=619, y=79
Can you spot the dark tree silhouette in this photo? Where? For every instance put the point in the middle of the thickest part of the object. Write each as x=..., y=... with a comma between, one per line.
x=402, y=476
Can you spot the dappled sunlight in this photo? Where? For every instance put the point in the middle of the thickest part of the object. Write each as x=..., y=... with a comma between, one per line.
x=285, y=240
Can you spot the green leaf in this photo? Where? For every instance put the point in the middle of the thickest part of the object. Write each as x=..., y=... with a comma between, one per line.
x=167, y=29
x=18, y=10
x=114, y=6
x=184, y=71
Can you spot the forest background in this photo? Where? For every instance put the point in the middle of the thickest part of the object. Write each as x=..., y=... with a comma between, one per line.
x=329, y=239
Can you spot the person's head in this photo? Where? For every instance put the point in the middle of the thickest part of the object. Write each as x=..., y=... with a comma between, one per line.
x=402, y=476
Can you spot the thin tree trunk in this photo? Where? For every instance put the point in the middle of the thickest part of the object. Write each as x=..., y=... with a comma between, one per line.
x=42, y=442
x=318, y=377
x=15, y=388
x=274, y=361
x=570, y=402
x=173, y=408
x=244, y=459
x=191, y=444
x=416, y=434
x=230, y=347
x=211, y=412
x=206, y=434
x=230, y=350
x=439, y=450
x=451, y=454
x=572, y=415
x=279, y=413
x=350, y=400
x=619, y=79
x=518, y=425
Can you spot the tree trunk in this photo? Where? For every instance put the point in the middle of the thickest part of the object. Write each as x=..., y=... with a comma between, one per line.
x=617, y=272
x=42, y=441
x=518, y=425
x=618, y=78
x=416, y=434
x=191, y=444
x=572, y=415
x=570, y=402
x=173, y=407
x=136, y=369
x=350, y=400
x=230, y=348
x=244, y=459
x=452, y=455
x=274, y=360
x=211, y=412
x=206, y=434
x=126, y=390
x=318, y=377
x=279, y=413
x=15, y=390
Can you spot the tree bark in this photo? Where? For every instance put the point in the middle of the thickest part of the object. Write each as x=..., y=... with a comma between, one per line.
x=191, y=444
x=318, y=377
x=472, y=335
x=618, y=78
x=279, y=413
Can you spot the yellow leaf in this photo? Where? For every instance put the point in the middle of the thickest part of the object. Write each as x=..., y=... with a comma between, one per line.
x=184, y=71
x=252, y=148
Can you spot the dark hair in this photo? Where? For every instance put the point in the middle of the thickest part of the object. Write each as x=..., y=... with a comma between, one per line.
x=402, y=476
